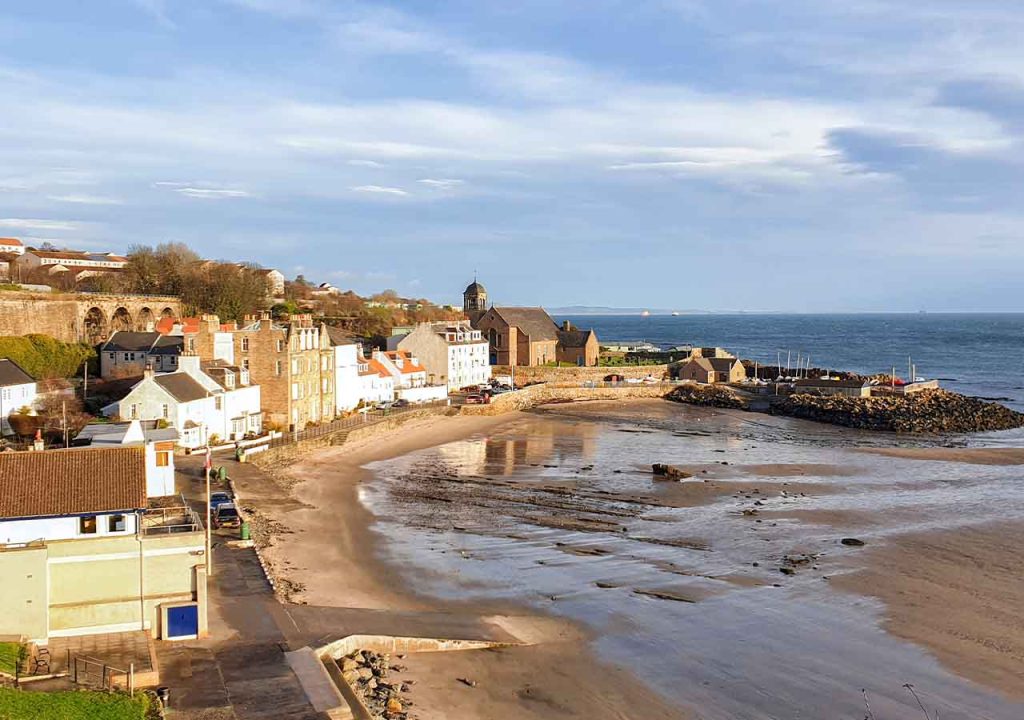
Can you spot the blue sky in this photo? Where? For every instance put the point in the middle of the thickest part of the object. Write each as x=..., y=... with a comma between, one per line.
x=799, y=155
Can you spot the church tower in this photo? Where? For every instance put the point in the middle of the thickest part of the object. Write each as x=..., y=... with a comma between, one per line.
x=474, y=301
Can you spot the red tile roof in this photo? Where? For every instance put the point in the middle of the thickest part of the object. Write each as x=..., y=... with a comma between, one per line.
x=408, y=366
x=72, y=482
x=14, y=242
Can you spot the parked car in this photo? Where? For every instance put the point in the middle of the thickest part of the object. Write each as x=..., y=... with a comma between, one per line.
x=614, y=377
x=383, y=406
x=219, y=498
x=476, y=399
x=402, y=402
x=226, y=515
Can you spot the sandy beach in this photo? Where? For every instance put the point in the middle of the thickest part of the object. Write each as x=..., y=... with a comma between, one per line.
x=567, y=492
x=326, y=550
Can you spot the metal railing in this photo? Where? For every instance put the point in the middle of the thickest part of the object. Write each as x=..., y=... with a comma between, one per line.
x=166, y=521
x=85, y=670
x=360, y=419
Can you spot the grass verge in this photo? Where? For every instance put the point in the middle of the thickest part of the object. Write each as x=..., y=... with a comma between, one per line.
x=71, y=705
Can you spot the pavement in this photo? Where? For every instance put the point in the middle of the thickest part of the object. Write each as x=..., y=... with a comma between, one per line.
x=238, y=672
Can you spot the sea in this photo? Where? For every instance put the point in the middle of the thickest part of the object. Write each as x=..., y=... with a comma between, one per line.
x=972, y=353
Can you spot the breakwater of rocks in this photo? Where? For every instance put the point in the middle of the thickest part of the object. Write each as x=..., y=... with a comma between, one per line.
x=717, y=396
x=928, y=411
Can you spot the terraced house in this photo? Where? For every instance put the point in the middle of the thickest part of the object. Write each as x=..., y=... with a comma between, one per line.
x=293, y=363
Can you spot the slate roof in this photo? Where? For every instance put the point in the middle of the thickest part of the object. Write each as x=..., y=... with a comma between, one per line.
x=124, y=340
x=182, y=386
x=169, y=345
x=72, y=482
x=574, y=338
x=474, y=287
x=723, y=365
x=113, y=433
x=12, y=374
x=340, y=337
x=534, y=321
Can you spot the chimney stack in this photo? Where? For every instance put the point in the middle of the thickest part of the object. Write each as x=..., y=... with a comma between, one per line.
x=566, y=325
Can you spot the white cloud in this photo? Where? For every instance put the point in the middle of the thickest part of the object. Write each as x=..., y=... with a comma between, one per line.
x=441, y=183
x=85, y=199
x=366, y=163
x=378, y=189
x=190, y=189
x=38, y=224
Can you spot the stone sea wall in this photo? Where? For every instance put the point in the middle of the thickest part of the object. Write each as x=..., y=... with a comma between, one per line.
x=547, y=394
x=578, y=375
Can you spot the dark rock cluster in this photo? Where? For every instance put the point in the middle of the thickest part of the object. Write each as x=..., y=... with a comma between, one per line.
x=366, y=672
x=708, y=396
x=928, y=411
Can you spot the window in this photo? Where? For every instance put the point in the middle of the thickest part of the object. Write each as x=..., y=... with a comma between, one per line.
x=217, y=402
x=295, y=366
x=126, y=357
x=295, y=391
x=280, y=345
x=245, y=364
x=191, y=344
x=116, y=523
x=87, y=525
x=278, y=368
x=245, y=344
x=133, y=411
x=163, y=458
x=165, y=411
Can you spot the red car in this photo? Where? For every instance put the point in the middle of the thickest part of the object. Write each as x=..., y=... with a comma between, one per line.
x=476, y=399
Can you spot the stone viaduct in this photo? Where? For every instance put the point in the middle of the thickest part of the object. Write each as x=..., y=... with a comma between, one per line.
x=82, y=317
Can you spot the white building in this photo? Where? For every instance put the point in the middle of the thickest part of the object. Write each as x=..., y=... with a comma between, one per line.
x=57, y=261
x=453, y=353
x=11, y=245
x=410, y=377
x=216, y=405
x=17, y=390
x=376, y=385
x=346, y=353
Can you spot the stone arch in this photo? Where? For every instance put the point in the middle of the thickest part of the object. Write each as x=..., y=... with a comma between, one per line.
x=146, y=319
x=94, y=326
x=167, y=313
x=121, y=320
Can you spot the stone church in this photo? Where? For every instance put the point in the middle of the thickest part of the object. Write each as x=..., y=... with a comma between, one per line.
x=527, y=335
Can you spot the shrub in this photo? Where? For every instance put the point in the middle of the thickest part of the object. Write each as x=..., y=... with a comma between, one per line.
x=43, y=357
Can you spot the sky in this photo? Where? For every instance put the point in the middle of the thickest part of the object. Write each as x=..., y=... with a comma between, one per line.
x=786, y=155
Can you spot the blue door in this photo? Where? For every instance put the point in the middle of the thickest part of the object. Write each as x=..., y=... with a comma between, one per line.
x=182, y=621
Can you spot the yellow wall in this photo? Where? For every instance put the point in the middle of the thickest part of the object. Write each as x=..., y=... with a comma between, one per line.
x=23, y=592
x=95, y=582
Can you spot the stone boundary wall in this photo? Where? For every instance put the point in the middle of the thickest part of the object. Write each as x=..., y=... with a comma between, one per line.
x=64, y=315
x=577, y=375
x=548, y=393
x=286, y=454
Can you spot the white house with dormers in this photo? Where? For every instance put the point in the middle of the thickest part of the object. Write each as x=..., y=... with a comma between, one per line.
x=376, y=385
x=17, y=390
x=346, y=354
x=204, y=406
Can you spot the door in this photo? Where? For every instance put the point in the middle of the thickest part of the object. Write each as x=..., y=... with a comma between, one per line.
x=182, y=622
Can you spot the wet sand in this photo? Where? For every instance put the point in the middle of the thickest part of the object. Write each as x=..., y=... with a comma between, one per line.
x=330, y=551
x=960, y=594
x=970, y=456
x=327, y=551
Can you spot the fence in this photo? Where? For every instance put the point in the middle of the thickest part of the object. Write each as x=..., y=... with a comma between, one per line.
x=361, y=419
x=84, y=670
